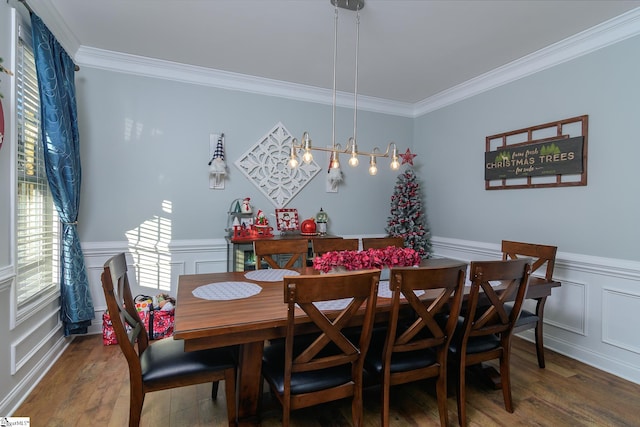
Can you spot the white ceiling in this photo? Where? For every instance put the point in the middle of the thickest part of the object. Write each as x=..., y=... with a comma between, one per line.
x=410, y=50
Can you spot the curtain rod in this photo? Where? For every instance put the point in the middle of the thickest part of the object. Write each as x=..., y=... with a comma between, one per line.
x=26, y=5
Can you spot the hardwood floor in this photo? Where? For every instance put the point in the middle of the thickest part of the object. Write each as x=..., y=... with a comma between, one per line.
x=89, y=385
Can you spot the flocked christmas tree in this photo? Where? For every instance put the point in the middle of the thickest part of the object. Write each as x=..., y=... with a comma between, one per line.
x=408, y=219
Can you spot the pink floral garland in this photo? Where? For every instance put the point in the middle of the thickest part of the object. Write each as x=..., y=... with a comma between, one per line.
x=390, y=256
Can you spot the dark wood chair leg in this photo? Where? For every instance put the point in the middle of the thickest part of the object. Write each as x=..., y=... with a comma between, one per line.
x=461, y=394
x=230, y=390
x=136, y=401
x=441, y=391
x=506, y=380
x=538, y=331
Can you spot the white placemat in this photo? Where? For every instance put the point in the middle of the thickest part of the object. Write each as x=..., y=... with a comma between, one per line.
x=270, y=275
x=384, y=292
x=223, y=291
x=336, y=304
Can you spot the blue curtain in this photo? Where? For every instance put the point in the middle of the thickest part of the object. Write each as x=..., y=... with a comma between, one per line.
x=56, y=83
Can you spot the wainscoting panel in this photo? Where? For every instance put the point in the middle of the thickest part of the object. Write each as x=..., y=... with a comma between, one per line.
x=41, y=335
x=620, y=319
x=566, y=307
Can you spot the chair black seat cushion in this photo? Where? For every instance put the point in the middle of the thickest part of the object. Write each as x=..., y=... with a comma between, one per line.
x=526, y=317
x=474, y=344
x=166, y=359
x=400, y=362
x=301, y=382
x=477, y=344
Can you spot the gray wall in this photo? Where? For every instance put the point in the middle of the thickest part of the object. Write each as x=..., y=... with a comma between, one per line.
x=600, y=219
x=145, y=140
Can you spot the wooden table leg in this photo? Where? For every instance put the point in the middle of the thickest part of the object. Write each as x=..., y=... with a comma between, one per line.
x=249, y=383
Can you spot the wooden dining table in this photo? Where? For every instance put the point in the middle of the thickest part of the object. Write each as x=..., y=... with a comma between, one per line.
x=249, y=322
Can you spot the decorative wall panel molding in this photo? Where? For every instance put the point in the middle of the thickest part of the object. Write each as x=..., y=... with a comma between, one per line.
x=620, y=317
x=265, y=164
x=567, y=307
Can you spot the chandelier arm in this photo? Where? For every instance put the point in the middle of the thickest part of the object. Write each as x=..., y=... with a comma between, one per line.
x=390, y=147
x=347, y=150
x=338, y=149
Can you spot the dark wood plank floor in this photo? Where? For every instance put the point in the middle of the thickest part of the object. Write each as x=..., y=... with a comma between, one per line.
x=88, y=385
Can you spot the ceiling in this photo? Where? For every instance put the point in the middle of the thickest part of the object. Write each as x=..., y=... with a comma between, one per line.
x=410, y=50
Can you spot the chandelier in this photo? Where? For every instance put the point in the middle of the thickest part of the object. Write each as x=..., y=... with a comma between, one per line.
x=351, y=147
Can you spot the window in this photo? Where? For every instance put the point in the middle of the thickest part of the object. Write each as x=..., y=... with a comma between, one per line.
x=37, y=225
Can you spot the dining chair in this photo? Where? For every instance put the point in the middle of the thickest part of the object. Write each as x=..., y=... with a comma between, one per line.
x=382, y=242
x=414, y=350
x=266, y=249
x=329, y=244
x=486, y=331
x=541, y=255
x=163, y=364
x=310, y=369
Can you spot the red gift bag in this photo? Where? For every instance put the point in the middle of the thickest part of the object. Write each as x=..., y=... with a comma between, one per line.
x=159, y=323
x=108, y=334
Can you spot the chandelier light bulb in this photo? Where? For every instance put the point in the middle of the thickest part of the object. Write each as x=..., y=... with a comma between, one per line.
x=307, y=157
x=353, y=160
x=373, y=168
x=395, y=164
x=335, y=162
x=293, y=157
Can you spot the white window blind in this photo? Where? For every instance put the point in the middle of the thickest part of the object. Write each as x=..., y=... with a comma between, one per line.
x=37, y=227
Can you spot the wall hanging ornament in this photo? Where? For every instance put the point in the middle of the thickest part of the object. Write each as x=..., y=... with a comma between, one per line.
x=265, y=164
x=217, y=165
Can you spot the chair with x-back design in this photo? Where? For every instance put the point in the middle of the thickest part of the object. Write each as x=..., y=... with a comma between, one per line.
x=305, y=370
x=269, y=251
x=163, y=364
x=413, y=350
x=541, y=255
x=487, y=328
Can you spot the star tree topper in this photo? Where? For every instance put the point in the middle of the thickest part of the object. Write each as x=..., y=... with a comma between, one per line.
x=407, y=157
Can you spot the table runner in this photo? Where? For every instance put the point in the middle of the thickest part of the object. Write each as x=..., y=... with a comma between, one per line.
x=270, y=275
x=223, y=291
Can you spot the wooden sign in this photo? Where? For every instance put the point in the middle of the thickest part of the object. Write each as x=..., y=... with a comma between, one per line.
x=554, y=157
x=547, y=155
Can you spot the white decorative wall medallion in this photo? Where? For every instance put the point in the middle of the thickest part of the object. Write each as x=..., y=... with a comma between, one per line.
x=266, y=166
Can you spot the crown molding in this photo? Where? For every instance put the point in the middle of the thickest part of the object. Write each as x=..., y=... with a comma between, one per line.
x=610, y=32
x=150, y=67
